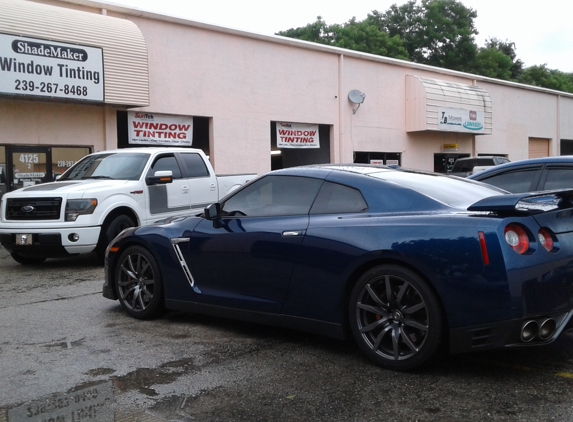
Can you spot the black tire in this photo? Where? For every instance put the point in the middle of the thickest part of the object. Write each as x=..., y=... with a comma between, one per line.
x=395, y=318
x=26, y=260
x=110, y=231
x=138, y=283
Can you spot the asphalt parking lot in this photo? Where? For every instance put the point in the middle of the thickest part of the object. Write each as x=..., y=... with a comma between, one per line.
x=68, y=354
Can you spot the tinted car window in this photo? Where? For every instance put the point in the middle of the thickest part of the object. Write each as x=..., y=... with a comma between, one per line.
x=516, y=181
x=559, y=178
x=108, y=166
x=164, y=163
x=274, y=195
x=500, y=160
x=334, y=198
x=195, y=165
x=448, y=190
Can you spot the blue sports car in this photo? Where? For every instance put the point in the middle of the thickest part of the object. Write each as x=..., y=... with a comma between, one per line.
x=409, y=264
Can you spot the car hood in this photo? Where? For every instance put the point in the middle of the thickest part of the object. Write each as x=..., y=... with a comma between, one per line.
x=71, y=186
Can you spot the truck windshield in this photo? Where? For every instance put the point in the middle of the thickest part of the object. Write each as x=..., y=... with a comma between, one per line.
x=124, y=166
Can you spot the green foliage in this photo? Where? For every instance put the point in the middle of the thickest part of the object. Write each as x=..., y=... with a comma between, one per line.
x=353, y=35
x=508, y=49
x=362, y=36
x=547, y=78
x=317, y=32
x=493, y=63
x=434, y=32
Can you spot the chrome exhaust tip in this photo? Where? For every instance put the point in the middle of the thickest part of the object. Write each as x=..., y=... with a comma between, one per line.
x=547, y=328
x=529, y=330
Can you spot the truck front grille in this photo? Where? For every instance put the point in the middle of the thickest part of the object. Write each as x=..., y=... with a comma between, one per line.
x=33, y=208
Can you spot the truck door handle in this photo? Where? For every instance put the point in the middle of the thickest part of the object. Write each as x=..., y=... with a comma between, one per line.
x=292, y=233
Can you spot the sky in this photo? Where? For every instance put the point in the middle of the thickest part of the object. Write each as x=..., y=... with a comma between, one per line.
x=541, y=30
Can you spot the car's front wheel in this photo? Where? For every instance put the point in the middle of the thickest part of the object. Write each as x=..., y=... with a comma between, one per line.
x=395, y=318
x=138, y=283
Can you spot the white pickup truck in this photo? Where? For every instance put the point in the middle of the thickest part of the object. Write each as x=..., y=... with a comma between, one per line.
x=104, y=193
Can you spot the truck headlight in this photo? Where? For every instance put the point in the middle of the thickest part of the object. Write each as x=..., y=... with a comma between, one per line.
x=77, y=207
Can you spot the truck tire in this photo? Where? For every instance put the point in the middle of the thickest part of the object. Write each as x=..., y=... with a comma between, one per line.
x=26, y=260
x=109, y=231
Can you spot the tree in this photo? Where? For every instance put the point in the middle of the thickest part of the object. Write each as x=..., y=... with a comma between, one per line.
x=353, y=35
x=317, y=32
x=547, y=78
x=493, y=63
x=363, y=36
x=508, y=49
x=435, y=32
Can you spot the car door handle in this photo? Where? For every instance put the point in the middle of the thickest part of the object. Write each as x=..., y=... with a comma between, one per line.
x=291, y=233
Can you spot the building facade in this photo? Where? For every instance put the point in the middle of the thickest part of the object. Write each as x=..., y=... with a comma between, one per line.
x=77, y=76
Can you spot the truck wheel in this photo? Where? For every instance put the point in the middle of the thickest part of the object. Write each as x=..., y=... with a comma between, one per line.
x=25, y=260
x=110, y=231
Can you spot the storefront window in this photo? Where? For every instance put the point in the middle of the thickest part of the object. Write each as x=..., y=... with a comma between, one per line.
x=3, y=187
x=65, y=157
x=376, y=157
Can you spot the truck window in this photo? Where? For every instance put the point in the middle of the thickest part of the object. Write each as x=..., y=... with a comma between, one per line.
x=166, y=162
x=195, y=165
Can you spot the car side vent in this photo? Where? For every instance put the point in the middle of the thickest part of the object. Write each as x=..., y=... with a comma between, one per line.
x=33, y=208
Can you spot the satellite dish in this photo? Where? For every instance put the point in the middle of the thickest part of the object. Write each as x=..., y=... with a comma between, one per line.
x=357, y=97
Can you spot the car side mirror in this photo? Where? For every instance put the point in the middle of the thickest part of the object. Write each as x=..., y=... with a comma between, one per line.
x=159, y=178
x=213, y=212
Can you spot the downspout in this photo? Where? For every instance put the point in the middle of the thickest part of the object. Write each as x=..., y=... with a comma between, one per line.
x=474, y=151
x=340, y=113
x=558, y=131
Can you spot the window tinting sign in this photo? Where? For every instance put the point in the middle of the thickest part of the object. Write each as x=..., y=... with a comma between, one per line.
x=40, y=68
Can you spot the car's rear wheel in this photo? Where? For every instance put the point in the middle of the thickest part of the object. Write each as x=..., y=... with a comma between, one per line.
x=395, y=318
x=138, y=283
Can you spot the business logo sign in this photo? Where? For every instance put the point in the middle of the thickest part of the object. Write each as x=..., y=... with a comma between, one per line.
x=39, y=68
x=297, y=135
x=460, y=120
x=159, y=129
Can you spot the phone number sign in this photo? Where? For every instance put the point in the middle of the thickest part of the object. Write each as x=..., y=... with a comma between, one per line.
x=39, y=68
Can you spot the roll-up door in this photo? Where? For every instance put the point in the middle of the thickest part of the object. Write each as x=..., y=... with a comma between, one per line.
x=538, y=148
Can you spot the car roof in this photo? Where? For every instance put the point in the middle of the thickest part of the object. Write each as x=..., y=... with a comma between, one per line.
x=559, y=159
x=480, y=156
x=148, y=150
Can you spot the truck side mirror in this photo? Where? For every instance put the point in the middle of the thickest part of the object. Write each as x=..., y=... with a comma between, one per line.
x=213, y=211
x=159, y=178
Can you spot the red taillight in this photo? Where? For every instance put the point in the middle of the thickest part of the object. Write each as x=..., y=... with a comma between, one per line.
x=516, y=237
x=545, y=239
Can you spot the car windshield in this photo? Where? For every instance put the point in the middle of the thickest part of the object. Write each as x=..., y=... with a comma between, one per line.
x=452, y=191
x=124, y=166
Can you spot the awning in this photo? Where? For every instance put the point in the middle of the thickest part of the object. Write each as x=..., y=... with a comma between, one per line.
x=437, y=105
x=125, y=65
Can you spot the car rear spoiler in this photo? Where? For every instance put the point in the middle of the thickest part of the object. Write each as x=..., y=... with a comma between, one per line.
x=527, y=203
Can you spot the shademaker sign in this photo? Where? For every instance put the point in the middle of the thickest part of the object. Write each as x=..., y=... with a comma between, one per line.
x=41, y=68
x=460, y=120
x=159, y=129
x=297, y=135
